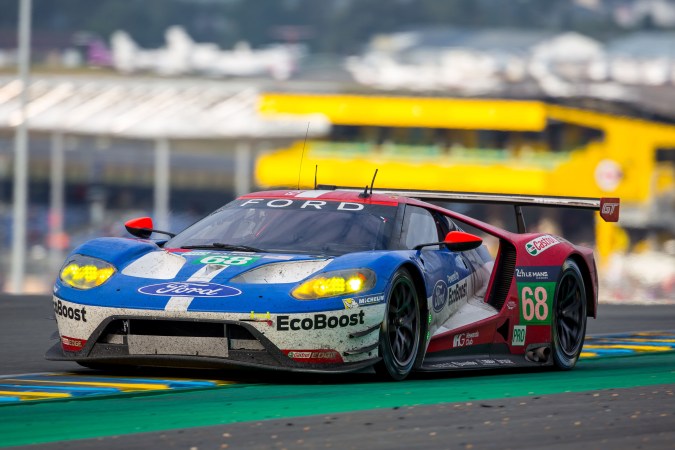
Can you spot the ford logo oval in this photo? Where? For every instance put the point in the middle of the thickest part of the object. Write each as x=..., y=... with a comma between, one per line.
x=189, y=289
x=440, y=295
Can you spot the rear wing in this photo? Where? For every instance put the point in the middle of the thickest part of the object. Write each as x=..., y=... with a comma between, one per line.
x=608, y=207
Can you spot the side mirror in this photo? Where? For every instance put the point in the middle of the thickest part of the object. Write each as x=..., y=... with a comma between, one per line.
x=142, y=227
x=456, y=241
x=459, y=241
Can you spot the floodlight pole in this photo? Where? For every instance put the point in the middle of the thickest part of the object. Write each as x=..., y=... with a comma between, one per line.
x=162, y=183
x=242, y=168
x=56, y=201
x=21, y=156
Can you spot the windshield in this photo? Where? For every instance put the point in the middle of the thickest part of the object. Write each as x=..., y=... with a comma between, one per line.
x=293, y=226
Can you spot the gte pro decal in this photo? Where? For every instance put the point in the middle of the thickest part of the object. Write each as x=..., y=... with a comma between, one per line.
x=519, y=335
x=538, y=245
x=227, y=260
x=536, y=301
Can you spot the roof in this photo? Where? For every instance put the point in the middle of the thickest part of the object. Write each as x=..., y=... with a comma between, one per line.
x=645, y=44
x=487, y=40
x=149, y=108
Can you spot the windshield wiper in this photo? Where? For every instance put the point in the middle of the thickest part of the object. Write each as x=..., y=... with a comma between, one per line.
x=221, y=246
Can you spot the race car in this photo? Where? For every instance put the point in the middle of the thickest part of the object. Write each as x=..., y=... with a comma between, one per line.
x=332, y=280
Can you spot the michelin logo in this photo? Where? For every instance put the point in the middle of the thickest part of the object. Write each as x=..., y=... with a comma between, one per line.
x=355, y=302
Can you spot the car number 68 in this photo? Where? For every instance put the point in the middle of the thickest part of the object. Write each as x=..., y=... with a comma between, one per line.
x=534, y=303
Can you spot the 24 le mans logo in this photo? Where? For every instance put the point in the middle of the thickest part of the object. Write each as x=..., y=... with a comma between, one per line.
x=540, y=244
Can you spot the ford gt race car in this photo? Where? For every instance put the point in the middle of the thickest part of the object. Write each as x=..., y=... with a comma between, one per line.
x=332, y=280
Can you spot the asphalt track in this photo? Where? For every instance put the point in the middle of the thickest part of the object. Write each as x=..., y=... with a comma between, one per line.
x=610, y=402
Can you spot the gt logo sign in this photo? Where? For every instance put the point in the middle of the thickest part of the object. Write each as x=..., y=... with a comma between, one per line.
x=609, y=209
x=519, y=335
x=78, y=314
x=540, y=244
x=319, y=322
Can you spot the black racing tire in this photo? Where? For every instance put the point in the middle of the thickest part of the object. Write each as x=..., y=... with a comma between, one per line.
x=569, y=318
x=401, y=329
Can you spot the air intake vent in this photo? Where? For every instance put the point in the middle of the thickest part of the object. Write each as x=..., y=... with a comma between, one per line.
x=505, y=269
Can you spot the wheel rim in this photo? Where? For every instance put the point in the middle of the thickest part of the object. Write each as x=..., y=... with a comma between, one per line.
x=403, y=322
x=569, y=315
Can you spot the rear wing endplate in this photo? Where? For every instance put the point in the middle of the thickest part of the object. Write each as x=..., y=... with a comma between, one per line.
x=608, y=207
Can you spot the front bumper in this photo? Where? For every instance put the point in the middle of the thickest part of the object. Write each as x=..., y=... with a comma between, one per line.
x=295, y=342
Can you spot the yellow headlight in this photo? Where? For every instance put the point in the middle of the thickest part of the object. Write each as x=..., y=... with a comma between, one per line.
x=84, y=272
x=333, y=284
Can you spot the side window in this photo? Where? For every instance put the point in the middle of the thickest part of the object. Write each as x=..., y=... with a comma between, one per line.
x=419, y=227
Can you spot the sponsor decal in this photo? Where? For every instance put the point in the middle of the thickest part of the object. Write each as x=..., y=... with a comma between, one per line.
x=78, y=314
x=518, y=335
x=511, y=305
x=72, y=344
x=189, y=289
x=473, y=363
x=465, y=363
x=464, y=339
x=314, y=356
x=350, y=303
x=457, y=292
x=452, y=278
x=504, y=362
x=542, y=243
x=365, y=300
x=440, y=295
x=319, y=322
x=486, y=362
x=210, y=253
x=260, y=316
x=227, y=260
x=536, y=302
x=278, y=257
x=305, y=204
x=537, y=273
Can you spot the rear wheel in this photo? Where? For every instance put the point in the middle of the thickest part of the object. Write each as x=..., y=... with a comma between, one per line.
x=569, y=325
x=400, y=331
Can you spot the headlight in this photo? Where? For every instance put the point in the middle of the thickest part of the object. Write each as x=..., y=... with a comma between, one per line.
x=339, y=282
x=85, y=272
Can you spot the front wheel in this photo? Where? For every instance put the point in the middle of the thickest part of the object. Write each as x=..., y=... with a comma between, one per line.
x=569, y=324
x=400, y=331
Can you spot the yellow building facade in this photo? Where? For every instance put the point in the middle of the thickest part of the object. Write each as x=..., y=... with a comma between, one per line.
x=476, y=145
